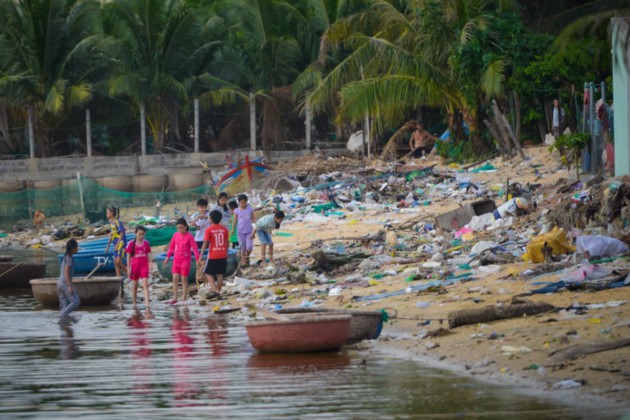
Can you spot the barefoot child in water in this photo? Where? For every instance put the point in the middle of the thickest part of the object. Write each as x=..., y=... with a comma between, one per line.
x=181, y=246
x=68, y=297
x=138, y=252
x=118, y=238
x=216, y=241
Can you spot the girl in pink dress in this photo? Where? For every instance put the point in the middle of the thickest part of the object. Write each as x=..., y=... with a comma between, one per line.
x=181, y=246
x=138, y=264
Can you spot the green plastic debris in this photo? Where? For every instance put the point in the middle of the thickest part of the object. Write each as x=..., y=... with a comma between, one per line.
x=334, y=213
x=417, y=174
x=321, y=208
x=384, y=315
x=283, y=234
x=3, y=235
x=485, y=168
x=414, y=278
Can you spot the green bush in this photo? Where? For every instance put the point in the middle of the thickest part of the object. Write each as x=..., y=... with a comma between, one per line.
x=575, y=143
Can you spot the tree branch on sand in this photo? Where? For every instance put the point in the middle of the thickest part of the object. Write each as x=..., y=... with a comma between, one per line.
x=389, y=150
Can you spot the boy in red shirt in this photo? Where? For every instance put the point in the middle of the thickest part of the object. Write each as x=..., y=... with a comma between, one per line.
x=216, y=240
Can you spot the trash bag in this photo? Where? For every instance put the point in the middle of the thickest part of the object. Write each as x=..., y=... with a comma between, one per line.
x=599, y=246
x=556, y=240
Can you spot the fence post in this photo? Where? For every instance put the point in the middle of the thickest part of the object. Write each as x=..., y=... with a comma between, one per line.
x=81, y=195
x=196, y=125
x=307, y=123
x=143, y=131
x=252, y=122
x=31, y=136
x=88, y=131
x=591, y=120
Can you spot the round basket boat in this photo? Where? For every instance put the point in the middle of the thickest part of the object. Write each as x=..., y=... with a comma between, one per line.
x=303, y=334
x=365, y=325
x=92, y=292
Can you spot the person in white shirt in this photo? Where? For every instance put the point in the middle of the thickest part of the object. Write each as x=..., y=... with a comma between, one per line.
x=557, y=120
x=201, y=220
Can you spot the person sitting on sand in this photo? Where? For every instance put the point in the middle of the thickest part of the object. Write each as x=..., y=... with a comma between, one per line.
x=421, y=141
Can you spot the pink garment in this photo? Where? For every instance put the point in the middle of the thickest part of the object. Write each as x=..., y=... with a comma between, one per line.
x=181, y=245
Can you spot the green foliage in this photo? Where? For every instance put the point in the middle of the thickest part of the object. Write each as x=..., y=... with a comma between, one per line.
x=578, y=61
x=574, y=142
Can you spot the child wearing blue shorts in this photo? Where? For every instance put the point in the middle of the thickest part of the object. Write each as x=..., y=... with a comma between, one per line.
x=264, y=226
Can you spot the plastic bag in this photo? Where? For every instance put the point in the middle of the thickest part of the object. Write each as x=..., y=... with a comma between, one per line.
x=599, y=246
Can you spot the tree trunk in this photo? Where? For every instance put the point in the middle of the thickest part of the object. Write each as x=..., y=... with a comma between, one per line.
x=495, y=313
x=517, y=111
x=477, y=142
x=570, y=353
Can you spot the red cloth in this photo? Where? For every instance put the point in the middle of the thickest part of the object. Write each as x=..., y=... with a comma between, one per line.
x=217, y=237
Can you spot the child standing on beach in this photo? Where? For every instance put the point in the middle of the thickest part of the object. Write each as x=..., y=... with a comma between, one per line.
x=232, y=229
x=244, y=216
x=138, y=252
x=216, y=241
x=118, y=238
x=68, y=297
x=222, y=207
x=201, y=220
x=264, y=226
x=181, y=246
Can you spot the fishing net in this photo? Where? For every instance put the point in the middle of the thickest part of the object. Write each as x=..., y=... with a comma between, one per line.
x=86, y=197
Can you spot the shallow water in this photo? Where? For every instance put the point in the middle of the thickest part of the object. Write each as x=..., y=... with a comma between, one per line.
x=37, y=256
x=117, y=362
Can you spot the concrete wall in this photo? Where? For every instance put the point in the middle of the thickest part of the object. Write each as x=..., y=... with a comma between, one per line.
x=621, y=93
x=102, y=166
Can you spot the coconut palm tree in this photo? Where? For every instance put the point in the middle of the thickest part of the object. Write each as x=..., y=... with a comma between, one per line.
x=261, y=58
x=155, y=49
x=46, y=59
x=403, y=55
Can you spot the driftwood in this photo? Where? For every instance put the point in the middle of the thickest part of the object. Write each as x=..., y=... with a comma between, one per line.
x=328, y=262
x=495, y=313
x=572, y=352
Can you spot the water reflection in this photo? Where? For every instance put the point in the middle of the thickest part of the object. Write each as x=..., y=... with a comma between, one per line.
x=68, y=347
x=183, y=354
x=120, y=363
x=299, y=363
x=141, y=370
x=217, y=339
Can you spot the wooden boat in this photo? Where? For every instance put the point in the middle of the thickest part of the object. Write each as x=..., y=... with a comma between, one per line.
x=92, y=292
x=365, y=325
x=241, y=176
x=85, y=261
x=18, y=274
x=167, y=270
x=301, y=334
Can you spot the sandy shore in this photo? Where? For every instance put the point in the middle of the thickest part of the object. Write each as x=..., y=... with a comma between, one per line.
x=518, y=351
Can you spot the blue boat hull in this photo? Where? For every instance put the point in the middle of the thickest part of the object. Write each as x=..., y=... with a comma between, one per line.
x=85, y=262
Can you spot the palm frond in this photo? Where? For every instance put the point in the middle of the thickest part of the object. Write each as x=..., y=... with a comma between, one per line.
x=493, y=78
